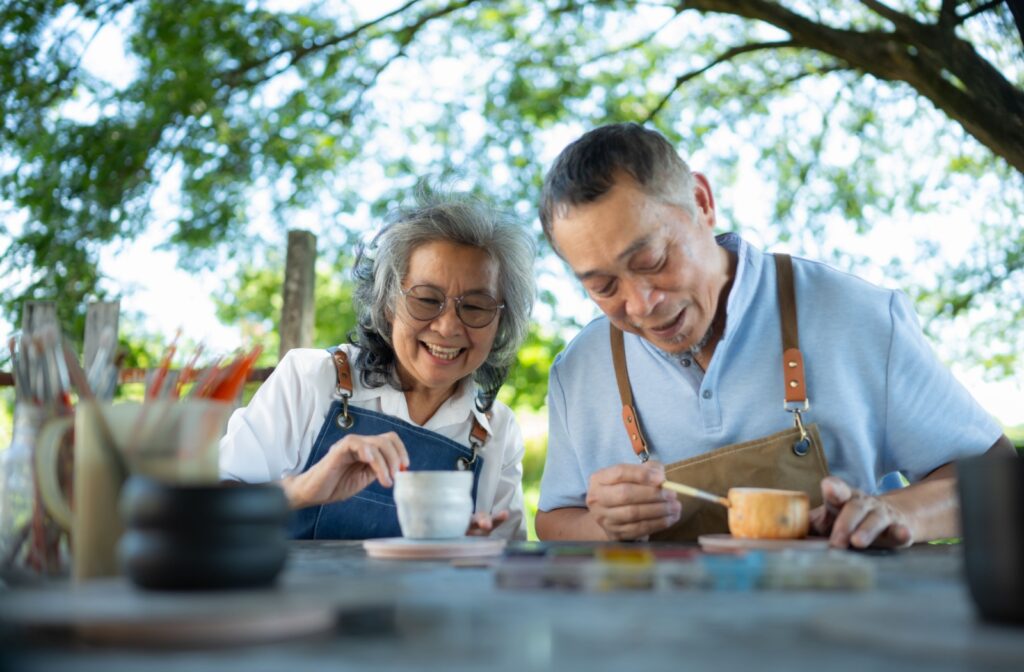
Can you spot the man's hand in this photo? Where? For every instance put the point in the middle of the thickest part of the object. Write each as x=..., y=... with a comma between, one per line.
x=350, y=465
x=851, y=518
x=627, y=502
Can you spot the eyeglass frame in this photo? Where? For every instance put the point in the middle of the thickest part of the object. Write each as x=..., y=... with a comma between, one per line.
x=457, y=300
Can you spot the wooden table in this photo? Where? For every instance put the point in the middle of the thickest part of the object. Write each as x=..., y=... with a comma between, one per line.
x=435, y=616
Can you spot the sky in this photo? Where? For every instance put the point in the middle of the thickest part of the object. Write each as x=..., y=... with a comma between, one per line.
x=150, y=283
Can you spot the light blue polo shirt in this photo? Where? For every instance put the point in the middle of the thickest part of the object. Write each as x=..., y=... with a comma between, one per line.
x=882, y=400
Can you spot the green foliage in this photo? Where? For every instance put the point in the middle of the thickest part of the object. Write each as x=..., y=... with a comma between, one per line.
x=1016, y=435
x=244, y=112
x=253, y=300
x=533, y=468
x=6, y=416
x=527, y=384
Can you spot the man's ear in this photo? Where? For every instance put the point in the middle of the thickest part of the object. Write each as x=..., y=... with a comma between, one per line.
x=704, y=197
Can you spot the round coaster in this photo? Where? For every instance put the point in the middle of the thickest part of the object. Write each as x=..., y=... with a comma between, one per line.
x=400, y=548
x=727, y=542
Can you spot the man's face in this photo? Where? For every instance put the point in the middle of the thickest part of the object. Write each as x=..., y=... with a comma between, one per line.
x=654, y=270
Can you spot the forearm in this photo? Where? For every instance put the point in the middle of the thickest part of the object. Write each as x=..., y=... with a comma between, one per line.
x=932, y=505
x=568, y=524
x=295, y=492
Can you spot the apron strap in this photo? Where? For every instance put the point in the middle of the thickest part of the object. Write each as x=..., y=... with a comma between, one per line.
x=629, y=417
x=343, y=390
x=792, y=362
x=341, y=366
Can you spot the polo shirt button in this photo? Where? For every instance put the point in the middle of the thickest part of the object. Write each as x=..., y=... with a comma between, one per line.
x=685, y=362
x=706, y=394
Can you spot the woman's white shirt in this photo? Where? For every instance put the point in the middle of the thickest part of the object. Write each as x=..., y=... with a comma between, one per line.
x=273, y=436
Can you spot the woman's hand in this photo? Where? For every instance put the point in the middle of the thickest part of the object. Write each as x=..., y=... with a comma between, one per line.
x=483, y=524
x=350, y=465
x=851, y=518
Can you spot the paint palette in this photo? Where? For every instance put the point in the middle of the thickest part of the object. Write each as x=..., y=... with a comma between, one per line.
x=617, y=568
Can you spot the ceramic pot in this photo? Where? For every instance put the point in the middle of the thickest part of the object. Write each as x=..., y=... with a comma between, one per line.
x=202, y=537
x=434, y=504
x=992, y=523
x=765, y=513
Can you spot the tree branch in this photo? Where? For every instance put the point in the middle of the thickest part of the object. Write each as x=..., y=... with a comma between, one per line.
x=902, y=22
x=806, y=73
x=299, y=53
x=725, y=56
x=232, y=77
x=940, y=66
x=947, y=14
x=980, y=9
x=632, y=45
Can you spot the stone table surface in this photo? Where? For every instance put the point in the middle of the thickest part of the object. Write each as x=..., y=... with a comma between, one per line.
x=435, y=615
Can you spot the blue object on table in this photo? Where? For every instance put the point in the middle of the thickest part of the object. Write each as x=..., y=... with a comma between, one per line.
x=734, y=572
x=894, y=480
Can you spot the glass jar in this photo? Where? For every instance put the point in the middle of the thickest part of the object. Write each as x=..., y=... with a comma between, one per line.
x=31, y=542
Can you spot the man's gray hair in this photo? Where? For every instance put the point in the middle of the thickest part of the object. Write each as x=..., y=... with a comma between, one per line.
x=454, y=218
x=588, y=168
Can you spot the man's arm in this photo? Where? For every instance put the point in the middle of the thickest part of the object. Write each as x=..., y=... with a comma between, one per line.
x=926, y=510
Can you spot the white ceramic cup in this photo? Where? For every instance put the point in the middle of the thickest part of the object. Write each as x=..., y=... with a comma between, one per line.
x=434, y=504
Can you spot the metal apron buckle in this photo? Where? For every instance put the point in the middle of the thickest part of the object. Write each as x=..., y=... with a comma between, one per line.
x=464, y=463
x=344, y=420
x=803, y=445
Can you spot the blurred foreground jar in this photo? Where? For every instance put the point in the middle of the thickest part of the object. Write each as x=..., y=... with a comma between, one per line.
x=31, y=541
x=194, y=537
x=992, y=524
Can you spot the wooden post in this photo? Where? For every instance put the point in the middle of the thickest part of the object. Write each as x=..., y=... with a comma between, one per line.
x=38, y=314
x=299, y=279
x=98, y=317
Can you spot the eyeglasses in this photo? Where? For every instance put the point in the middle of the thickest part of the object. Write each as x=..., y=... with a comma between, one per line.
x=475, y=309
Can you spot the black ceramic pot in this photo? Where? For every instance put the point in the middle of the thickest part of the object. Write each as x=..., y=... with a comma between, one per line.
x=992, y=520
x=202, y=537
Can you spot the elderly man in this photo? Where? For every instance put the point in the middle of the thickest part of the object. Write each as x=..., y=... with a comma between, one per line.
x=729, y=367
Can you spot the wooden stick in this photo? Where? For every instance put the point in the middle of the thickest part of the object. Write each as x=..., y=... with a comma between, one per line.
x=689, y=491
x=106, y=437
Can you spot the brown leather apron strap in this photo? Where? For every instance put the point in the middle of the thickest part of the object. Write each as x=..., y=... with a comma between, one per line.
x=792, y=360
x=477, y=434
x=343, y=370
x=792, y=363
x=629, y=415
x=343, y=387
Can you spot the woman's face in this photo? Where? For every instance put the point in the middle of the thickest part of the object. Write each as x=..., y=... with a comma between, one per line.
x=435, y=354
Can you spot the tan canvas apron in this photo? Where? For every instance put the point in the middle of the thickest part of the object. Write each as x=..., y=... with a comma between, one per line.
x=792, y=459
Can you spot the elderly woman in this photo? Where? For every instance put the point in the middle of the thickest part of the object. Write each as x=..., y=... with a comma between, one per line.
x=443, y=298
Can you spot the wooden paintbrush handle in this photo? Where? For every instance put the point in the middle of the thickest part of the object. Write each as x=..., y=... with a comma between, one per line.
x=689, y=491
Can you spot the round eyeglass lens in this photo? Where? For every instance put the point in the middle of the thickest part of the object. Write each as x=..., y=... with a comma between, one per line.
x=476, y=309
x=424, y=303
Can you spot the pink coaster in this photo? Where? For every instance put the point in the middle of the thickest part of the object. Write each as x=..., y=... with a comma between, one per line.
x=400, y=548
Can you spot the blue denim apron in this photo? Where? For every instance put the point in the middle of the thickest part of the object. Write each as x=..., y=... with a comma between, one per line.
x=371, y=513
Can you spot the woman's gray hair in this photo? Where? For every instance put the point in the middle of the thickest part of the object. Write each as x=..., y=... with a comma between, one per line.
x=381, y=267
